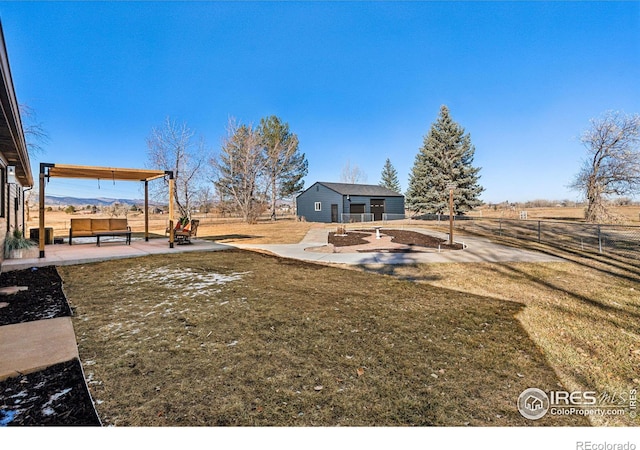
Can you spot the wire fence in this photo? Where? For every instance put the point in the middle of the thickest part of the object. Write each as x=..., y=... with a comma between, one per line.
x=623, y=240
x=369, y=217
x=353, y=218
x=388, y=217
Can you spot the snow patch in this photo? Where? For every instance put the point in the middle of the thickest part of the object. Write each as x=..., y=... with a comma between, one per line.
x=57, y=395
x=47, y=410
x=190, y=282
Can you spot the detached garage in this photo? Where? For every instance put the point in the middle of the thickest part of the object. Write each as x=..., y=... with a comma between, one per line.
x=343, y=202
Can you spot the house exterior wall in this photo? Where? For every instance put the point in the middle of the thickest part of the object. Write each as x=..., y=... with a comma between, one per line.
x=305, y=203
x=4, y=195
x=11, y=195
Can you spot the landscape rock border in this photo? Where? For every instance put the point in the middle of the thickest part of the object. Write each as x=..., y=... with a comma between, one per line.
x=57, y=395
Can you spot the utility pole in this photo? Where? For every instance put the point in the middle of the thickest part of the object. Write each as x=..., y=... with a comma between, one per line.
x=451, y=187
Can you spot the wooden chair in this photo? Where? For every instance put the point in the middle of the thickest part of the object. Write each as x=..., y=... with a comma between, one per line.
x=184, y=236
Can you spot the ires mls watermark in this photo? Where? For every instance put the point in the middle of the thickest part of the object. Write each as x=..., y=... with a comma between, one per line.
x=534, y=403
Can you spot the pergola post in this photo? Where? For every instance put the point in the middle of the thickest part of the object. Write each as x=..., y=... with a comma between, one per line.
x=171, y=219
x=146, y=211
x=41, y=210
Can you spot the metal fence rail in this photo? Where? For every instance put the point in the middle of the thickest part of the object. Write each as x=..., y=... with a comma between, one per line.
x=621, y=240
x=353, y=218
x=386, y=217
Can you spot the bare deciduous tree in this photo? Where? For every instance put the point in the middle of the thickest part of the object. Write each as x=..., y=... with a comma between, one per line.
x=612, y=165
x=117, y=209
x=171, y=147
x=34, y=133
x=239, y=167
x=35, y=137
x=205, y=199
x=352, y=174
x=285, y=166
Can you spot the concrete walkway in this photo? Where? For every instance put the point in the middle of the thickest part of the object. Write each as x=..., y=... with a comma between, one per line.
x=32, y=346
x=476, y=250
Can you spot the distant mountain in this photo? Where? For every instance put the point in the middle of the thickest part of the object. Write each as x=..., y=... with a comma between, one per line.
x=51, y=200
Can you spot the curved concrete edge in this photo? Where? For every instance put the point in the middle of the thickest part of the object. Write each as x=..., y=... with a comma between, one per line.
x=477, y=250
x=31, y=346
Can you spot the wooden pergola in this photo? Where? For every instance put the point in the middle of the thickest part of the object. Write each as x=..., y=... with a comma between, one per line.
x=48, y=170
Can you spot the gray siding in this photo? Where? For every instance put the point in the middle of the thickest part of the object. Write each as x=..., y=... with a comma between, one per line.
x=355, y=199
x=394, y=205
x=305, y=203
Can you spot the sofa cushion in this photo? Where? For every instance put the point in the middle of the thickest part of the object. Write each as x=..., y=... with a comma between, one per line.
x=99, y=225
x=81, y=225
x=118, y=224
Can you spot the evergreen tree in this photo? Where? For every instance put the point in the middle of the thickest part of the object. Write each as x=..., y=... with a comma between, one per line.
x=445, y=157
x=389, y=177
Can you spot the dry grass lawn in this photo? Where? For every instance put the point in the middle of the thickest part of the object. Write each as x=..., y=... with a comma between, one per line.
x=282, y=231
x=240, y=338
x=624, y=214
x=582, y=313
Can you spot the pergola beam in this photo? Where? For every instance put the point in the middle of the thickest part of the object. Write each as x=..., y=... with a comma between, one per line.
x=103, y=173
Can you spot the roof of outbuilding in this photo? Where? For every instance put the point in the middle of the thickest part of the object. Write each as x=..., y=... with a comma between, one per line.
x=367, y=190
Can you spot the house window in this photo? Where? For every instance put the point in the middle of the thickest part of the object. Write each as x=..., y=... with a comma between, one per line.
x=318, y=206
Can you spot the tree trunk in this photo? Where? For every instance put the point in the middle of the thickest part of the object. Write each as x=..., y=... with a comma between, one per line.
x=274, y=193
x=596, y=210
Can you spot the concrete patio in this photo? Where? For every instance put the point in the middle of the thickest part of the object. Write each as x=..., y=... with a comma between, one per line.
x=86, y=251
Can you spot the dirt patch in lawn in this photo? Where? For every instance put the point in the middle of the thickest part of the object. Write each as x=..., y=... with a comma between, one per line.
x=244, y=339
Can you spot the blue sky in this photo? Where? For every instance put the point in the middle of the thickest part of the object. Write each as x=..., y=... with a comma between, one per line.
x=356, y=81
